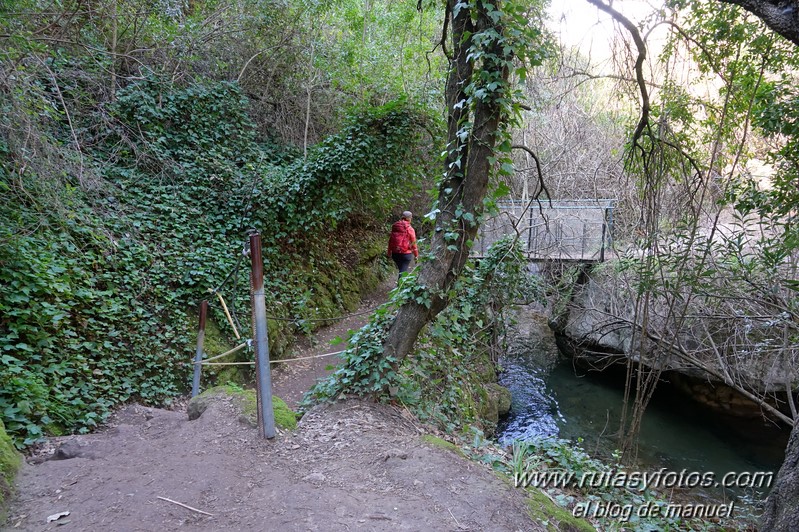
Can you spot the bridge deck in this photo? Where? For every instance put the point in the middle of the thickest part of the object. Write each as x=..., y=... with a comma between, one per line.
x=562, y=231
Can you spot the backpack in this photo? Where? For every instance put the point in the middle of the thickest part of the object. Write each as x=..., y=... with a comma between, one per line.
x=399, y=241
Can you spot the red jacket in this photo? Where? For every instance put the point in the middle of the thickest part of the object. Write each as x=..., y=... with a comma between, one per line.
x=402, y=239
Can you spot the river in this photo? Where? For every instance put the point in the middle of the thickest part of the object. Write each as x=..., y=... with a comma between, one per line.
x=553, y=398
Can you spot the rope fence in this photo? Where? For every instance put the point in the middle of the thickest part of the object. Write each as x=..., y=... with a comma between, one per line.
x=207, y=362
x=280, y=318
x=248, y=342
x=226, y=353
x=259, y=341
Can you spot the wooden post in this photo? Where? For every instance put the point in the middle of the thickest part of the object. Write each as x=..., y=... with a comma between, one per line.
x=263, y=380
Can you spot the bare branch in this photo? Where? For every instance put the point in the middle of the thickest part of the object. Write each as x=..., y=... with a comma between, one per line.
x=542, y=185
x=708, y=56
x=615, y=77
x=639, y=64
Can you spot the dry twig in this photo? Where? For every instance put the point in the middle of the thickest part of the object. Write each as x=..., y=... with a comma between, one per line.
x=186, y=506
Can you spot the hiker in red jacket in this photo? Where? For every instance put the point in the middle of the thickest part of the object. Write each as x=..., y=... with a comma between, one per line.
x=402, y=243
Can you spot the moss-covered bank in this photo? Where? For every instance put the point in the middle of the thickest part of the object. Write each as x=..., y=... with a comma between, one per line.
x=543, y=510
x=285, y=418
x=10, y=461
x=441, y=443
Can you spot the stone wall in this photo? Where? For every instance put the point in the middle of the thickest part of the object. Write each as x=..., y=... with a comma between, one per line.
x=595, y=325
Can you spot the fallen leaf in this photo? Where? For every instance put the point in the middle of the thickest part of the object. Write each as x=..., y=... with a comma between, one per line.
x=56, y=517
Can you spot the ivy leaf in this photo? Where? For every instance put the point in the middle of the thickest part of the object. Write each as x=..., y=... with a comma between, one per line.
x=502, y=190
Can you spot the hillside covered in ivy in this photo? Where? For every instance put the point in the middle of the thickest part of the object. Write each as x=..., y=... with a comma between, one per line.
x=139, y=143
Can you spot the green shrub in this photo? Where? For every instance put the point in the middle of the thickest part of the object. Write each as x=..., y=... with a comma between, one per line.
x=95, y=306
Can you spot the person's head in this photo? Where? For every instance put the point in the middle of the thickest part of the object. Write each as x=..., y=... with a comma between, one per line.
x=407, y=215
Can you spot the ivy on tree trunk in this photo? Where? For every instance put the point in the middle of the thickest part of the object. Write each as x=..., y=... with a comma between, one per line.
x=781, y=512
x=477, y=103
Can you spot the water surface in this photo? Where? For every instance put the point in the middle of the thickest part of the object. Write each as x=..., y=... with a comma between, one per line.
x=553, y=398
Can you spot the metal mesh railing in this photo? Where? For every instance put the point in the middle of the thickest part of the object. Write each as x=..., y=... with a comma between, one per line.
x=567, y=230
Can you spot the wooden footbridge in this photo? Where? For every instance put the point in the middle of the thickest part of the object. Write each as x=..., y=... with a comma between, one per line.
x=578, y=230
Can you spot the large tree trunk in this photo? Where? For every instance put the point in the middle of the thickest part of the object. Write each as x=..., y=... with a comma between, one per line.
x=467, y=169
x=782, y=506
x=781, y=16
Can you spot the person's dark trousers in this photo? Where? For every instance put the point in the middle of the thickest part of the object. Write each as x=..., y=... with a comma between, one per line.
x=403, y=262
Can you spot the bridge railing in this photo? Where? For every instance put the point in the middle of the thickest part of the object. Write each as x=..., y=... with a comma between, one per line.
x=562, y=230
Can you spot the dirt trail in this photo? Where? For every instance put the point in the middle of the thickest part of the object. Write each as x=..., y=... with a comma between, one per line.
x=290, y=380
x=353, y=465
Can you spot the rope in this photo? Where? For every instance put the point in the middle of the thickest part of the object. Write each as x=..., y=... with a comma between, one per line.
x=231, y=313
x=226, y=353
x=207, y=362
x=225, y=363
x=233, y=292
